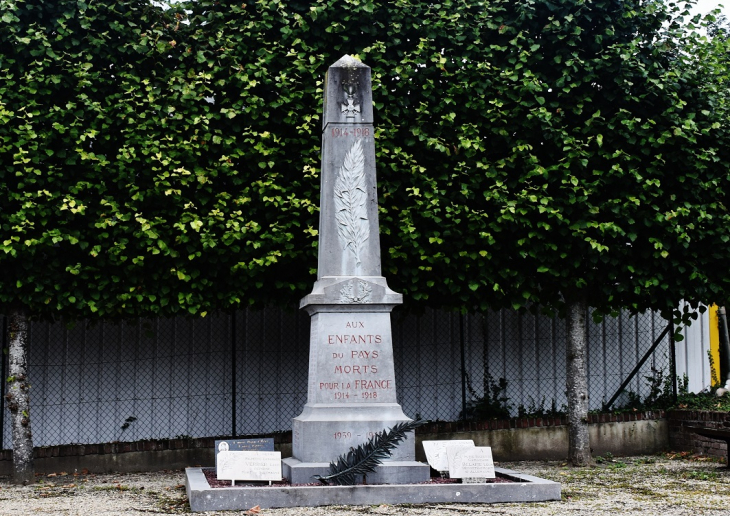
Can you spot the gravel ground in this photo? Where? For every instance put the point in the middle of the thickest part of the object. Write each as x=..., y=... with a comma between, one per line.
x=669, y=485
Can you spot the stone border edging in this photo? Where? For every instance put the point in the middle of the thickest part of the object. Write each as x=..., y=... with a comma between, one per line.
x=527, y=489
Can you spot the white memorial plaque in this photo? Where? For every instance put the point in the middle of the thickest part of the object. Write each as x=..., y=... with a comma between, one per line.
x=249, y=465
x=453, y=449
x=262, y=444
x=436, y=452
x=475, y=463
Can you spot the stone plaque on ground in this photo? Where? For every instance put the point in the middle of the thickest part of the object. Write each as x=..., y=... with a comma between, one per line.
x=436, y=452
x=248, y=465
x=453, y=449
x=262, y=444
x=352, y=392
x=474, y=465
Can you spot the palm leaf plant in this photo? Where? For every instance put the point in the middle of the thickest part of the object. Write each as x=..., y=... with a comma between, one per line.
x=362, y=460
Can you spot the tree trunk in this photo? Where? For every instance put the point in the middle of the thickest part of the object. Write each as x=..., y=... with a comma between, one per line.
x=18, y=397
x=579, y=448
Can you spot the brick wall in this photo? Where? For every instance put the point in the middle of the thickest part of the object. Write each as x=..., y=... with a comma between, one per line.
x=118, y=448
x=684, y=440
x=439, y=427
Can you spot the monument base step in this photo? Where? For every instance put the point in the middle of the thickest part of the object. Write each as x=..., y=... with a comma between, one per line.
x=525, y=488
x=390, y=472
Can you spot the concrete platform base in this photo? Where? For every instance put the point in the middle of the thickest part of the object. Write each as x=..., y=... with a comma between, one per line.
x=525, y=488
x=389, y=472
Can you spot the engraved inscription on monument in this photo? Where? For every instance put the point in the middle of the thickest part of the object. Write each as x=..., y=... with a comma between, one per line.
x=354, y=350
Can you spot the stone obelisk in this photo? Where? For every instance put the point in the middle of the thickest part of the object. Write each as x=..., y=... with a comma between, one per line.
x=352, y=391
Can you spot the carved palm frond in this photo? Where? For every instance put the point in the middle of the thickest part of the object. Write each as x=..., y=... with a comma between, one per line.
x=362, y=460
x=351, y=201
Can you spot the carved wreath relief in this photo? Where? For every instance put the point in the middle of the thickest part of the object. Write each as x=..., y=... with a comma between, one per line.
x=356, y=292
x=353, y=227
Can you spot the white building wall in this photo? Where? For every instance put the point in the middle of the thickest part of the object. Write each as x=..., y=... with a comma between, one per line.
x=693, y=353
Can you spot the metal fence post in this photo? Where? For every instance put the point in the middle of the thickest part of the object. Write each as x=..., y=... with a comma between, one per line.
x=3, y=374
x=463, y=366
x=673, y=361
x=233, y=372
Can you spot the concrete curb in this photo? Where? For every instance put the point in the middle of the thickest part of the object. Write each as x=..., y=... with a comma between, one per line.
x=526, y=488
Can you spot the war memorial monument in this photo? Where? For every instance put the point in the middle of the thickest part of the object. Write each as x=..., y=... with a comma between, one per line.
x=351, y=392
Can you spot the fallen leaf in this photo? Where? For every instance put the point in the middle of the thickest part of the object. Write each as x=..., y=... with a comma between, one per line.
x=254, y=510
x=51, y=475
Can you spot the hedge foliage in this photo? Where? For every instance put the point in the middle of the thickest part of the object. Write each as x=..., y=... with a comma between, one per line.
x=166, y=160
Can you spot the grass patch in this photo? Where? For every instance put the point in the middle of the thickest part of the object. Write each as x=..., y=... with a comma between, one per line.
x=645, y=491
x=120, y=488
x=567, y=495
x=173, y=505
x=700, y=475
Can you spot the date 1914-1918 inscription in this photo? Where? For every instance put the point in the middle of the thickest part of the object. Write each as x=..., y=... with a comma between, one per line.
x=344, y=132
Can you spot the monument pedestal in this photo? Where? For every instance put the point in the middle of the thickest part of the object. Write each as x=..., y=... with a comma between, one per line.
x=328, y=431
x=351, y=395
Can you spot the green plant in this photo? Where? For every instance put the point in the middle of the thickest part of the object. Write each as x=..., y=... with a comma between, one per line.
x=494, y=404
x=714, y=371
x=538, y=411
x=604, y=458
x=700, y=475
x=660, y=395
x=703, y=401
x=645, y=460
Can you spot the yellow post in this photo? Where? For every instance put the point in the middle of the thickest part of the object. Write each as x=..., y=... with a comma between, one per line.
x=714, y=347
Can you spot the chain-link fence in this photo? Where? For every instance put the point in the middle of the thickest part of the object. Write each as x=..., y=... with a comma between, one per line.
x=246, y=373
